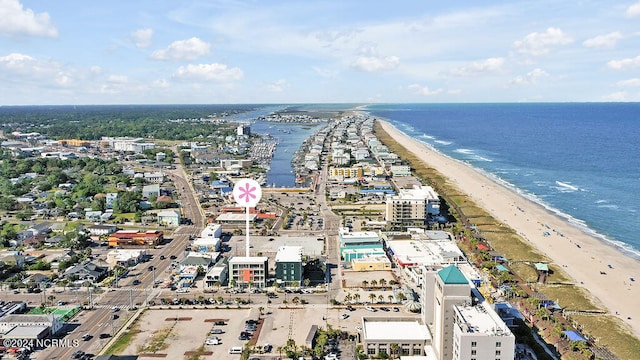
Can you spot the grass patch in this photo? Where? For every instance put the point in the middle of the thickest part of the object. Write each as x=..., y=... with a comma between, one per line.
x=525, y=271
x=123, y=341
x=601, y=328
x=569, y=297
x=157, y=341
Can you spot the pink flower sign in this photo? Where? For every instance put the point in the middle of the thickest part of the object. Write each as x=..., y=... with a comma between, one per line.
x=247, y=192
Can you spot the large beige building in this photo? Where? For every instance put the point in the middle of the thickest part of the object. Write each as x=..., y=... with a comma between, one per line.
x=412, y=207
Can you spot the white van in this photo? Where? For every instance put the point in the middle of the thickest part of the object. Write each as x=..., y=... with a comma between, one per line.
x=235, y=350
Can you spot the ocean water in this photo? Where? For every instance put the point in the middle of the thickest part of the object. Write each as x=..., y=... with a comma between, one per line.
x=580, y=160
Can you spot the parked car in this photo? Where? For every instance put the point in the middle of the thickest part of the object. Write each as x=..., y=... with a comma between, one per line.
x=216, y=331
x=395, y=309
x=86, y=337
x=105, y=336
x=372, y=309
x=351, y=308
x=220, y=322
x=344, y=316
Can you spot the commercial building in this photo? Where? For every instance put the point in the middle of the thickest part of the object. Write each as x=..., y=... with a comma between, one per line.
x=125, y=257
x=42, y=325
x=371, y=263
x=394, y=336
x=135, y=238
x=289, y=265
x=249, y=271
x=354, y=245
x=169, y=218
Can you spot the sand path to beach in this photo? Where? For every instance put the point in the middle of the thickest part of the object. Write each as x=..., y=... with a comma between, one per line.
x=583, y=257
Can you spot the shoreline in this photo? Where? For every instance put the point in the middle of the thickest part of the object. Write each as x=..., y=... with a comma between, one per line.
x=582, y=256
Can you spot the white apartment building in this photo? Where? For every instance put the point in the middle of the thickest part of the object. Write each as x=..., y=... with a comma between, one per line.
x=412, y=207
x=479, y=333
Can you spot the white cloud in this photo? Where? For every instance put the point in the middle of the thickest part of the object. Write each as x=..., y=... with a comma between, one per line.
x=15, y=60
x=623, y=64
x=17, y=20
x=607, y=41
x=277, y=86
x=531, y=78
x=118, y=79
x=25, y=69
x=142, y=37
x=373, y=63
x=633, y=10
x=616, y=96
x=629, y=82
x=478, y=68
x=215, y=72
x=424, y=90
x=189, y=49
x=537, y=44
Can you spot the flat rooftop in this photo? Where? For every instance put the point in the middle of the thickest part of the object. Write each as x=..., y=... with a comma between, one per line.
x=426, y=252
x=289, y=254
x=387, y=329
x=481, y=319
x=248, y=260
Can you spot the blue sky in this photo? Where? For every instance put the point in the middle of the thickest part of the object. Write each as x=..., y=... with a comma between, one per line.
x=333, y=51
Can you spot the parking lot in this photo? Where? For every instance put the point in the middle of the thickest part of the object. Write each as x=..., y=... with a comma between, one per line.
x=175, y=332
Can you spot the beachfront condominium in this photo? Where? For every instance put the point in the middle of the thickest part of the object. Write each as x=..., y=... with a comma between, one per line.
x=412, y=207
x=462, y=324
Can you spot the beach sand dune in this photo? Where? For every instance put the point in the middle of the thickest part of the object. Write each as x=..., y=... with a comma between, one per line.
x=604, y=271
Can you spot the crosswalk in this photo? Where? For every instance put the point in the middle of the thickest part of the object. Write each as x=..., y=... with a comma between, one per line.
x=119, y=307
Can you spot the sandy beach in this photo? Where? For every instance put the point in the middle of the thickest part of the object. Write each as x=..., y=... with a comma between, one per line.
x=583, y=257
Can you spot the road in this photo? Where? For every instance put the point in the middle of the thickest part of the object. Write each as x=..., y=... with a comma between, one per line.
x=127, y=297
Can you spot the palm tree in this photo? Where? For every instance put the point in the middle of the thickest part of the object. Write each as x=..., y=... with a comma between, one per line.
x=356, y=297
x=394, y=349
x=382, y=282
x=348, y=297
x=365, y=283
x=374, y=283
x=372, y=296
x=390, y=298
x=380, y=298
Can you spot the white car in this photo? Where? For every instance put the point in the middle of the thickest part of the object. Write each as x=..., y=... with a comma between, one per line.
x=182, y=290
x=213, y=341
x=344, y=316
x=331, y=357
x=370, y=308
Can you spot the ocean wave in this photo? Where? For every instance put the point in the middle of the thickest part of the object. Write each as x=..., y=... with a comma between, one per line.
x=609, y=206
x=443, y=142
x=464, y=151
x=567, y=187
x=425, y=136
